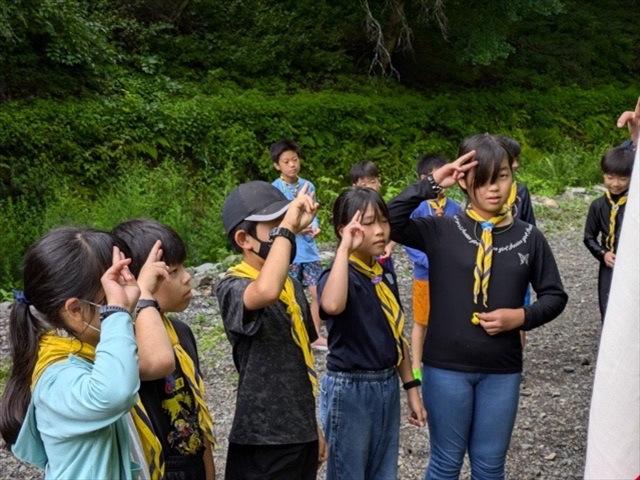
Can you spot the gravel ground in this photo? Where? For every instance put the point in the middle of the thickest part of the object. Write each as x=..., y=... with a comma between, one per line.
x=549, y=440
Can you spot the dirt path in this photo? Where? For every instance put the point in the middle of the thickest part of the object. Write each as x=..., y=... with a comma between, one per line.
x=549, y=440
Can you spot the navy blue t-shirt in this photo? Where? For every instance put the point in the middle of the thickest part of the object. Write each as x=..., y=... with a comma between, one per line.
x=360, y=337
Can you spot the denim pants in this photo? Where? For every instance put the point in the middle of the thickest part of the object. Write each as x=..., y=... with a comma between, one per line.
x=472, y=412
x=360, y=415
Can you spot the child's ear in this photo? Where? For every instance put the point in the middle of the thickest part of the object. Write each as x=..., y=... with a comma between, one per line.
x=276, y=166
x=242, y=240
x=72, y=312
x=463, y=183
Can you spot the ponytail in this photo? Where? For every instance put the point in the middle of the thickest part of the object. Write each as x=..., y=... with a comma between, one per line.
x=24, y=333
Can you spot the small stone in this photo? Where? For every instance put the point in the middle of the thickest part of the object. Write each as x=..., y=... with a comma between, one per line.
x=550, y=203
x=551, y=456
x=568, y=369
x=555, y=394
x=525, y=392
x=526, y=446
x=585, y=361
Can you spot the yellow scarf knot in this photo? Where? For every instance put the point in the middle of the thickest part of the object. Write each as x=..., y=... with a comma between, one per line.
x=615, y=207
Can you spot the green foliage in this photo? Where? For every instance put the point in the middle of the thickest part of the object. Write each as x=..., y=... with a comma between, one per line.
x=5, y=371
x=158, y=153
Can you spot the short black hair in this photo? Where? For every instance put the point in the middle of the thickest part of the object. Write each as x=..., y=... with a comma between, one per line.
x=426, y=163
x=140, y=234
x=363, y=169
x=490, y=152
x=618, y=161
x=278, y=148
x=352, y=200
x=511, y=144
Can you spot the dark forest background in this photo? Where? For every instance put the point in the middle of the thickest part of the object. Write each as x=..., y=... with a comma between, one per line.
x=123, y=108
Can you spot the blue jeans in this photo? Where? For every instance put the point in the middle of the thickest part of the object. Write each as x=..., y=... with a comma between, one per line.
x=472, y=412
x=360, y=415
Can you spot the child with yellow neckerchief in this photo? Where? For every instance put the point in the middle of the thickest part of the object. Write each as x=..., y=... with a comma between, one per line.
x=268, y=321
x=606, y=214
x=71, y=400
x=480, y=264
x=442, y=205
x=360, y=399
x=173, y=397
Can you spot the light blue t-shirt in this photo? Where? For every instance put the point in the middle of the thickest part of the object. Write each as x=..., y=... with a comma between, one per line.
x=306, y=248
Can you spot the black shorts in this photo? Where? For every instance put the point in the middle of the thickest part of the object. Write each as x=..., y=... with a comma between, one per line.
x=184, y=467
x=298, y=461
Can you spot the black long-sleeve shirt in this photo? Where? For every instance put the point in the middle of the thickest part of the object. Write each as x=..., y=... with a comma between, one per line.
x=596, y=228
x=521, y=256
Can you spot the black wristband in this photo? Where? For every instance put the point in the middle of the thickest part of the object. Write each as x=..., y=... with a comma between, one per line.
x=435, y=188
x=282, y=232
x=107, y=310
x=411, y=384
x=146, y=303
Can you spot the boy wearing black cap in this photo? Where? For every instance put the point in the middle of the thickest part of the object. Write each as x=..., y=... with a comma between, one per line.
x=268, y=322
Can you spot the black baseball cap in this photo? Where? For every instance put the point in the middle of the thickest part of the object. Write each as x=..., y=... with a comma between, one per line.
x=255, y=201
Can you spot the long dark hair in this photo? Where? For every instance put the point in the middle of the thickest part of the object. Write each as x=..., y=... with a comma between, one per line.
x=67, y=262
x=490, y=151
x=352, y=200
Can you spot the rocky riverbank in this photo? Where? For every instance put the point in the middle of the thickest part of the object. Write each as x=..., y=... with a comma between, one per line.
x=550, y=436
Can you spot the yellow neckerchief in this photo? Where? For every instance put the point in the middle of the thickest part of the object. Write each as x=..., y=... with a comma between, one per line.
x=388, y=301
x=484, y=256
x=437, y=204
x=194, y=380
x=513, y=195
x=298, y=329
x=53, y=348
x=615, y=206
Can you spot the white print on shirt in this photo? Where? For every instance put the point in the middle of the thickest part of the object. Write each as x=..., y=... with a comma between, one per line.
x=506, y=248
x=389, y=278
x=524, y=259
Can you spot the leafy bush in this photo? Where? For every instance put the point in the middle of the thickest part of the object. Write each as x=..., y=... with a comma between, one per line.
x=172, y=152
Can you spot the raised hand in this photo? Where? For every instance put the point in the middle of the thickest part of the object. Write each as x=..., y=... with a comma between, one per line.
x=352, y=233
x=301, y=212
x=119, y=284
x=153, y=272
x=632, y=120
x=449, y=174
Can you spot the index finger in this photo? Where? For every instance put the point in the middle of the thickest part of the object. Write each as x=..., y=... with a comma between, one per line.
x=153, y=254
x=115, y=255
x=465, y=161
x=356, y=217
x=303, y=190
x=626, y=116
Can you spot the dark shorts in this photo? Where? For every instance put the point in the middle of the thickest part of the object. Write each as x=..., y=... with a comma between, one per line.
x=306, y=273
x=184, y=467
x=297, y=461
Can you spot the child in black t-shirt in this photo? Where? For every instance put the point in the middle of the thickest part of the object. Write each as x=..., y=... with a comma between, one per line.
x=173, y=399
x=360, y=399
x=268, y=322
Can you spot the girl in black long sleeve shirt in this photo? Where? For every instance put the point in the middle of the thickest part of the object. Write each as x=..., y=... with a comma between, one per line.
x=472, y=355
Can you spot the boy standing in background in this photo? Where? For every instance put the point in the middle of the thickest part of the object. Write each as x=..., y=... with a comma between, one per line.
x=442, y=205
x=606, y=214
x=306, y=267
x=365, y=174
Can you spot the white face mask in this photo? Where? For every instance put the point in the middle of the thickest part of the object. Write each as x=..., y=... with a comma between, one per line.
x=91, y=327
